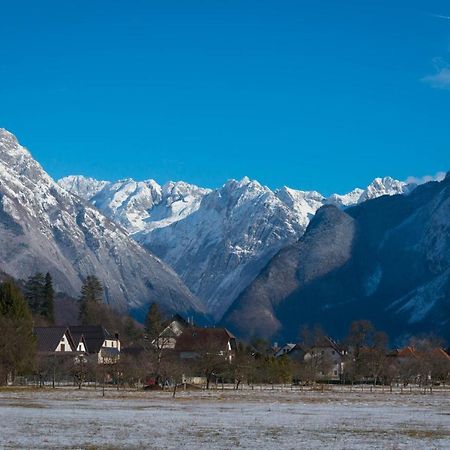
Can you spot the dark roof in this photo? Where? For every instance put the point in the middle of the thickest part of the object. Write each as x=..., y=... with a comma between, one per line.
x=326, y=342
x=77, y=338
x=110, y=352
x=180, y=319
x=77, y=335
x=94, y=336
x=48, y=338
x=194, y=339
x=320, y=342
x=134, y=351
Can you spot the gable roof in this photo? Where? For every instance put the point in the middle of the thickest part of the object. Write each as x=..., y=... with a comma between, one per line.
x=441, y=353
x=407, y=352
x=77, y=338
x=287, y=348
x=411, y=352
x=320, y=342
x=327, y=342
x=48, y=338
x=94, y=336
x=195, y=338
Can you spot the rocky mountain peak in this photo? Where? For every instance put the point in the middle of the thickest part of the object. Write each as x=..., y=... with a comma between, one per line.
x=43, y=227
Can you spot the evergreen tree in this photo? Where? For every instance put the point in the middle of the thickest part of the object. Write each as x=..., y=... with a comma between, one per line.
x=91, y=295
x=49, y=299
x=34, y=292
x=17, y=344
x=39, y=294
x=153, y=322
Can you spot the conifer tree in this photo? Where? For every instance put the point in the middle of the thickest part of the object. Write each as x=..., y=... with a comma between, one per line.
x=49, y=299
x=17, y=344
x=34, y=292
x=39, y=294
x=91, y=295
x=153, y=322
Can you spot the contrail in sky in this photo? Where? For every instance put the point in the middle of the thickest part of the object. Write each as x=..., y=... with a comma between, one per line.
x=440, y=16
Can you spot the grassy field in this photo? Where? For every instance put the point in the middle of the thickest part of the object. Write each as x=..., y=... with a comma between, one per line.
x=260, y=418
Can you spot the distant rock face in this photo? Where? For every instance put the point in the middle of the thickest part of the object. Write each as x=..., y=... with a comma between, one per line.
x=386, y=260
x=220, y=247
x=325, y=246
x=217, y=241
x=43, y=227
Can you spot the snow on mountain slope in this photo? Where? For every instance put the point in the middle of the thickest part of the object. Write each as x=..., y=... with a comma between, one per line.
x=220, y=247
x=378, y=188
x=139, y=206
x=385, y=186
x=84, y=187
x=217, y=241
x=43, y=227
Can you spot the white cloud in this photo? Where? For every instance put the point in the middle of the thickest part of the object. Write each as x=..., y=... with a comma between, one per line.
x=440, y=80
x=425, y=179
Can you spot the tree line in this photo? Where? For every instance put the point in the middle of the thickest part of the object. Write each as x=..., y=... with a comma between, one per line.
x=364, y=352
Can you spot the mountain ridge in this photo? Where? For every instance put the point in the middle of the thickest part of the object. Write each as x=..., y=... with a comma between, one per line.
x=396, y=272
x=43, y=227
x=216, y=240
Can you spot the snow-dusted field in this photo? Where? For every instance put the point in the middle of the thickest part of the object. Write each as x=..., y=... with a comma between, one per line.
x=68, y=418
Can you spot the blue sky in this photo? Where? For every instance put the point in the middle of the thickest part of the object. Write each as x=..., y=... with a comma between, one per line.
x=305, y=93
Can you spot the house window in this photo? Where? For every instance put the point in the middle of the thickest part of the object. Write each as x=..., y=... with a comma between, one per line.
x=333, y=352
x=335, y=372
x=63, y=348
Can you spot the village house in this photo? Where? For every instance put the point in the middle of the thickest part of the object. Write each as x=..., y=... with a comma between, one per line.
x=195, y=341
x=281, y=351
x=325, y=349
x=98, y=342
x=54, y=339
x=91, y=340
x=333, y=354
x=173, y=329
x=421, y=366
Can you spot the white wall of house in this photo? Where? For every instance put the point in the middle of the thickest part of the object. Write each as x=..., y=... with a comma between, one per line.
x=108, y=343
x=165, y=342
x=81, y=347
x=194, y=380
x=64, y=345
x=176, y=328
x=168, y=337
x=112, y=343
x=335, y=359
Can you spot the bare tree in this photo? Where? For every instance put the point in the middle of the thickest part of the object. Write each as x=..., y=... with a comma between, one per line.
x=316, y=363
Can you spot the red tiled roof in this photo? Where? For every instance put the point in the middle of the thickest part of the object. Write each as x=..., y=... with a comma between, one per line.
x=407, y=352
x=411, y=352
x=195, y=339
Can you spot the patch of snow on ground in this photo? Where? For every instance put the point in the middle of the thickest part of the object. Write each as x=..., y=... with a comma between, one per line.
x=68, y=418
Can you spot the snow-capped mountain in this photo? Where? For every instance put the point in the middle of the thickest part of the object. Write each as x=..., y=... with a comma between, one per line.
x=378, y=188
x=386, y=260
x=84, y=187
x=139, y=206
x=43, y=227
x=219, y=240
